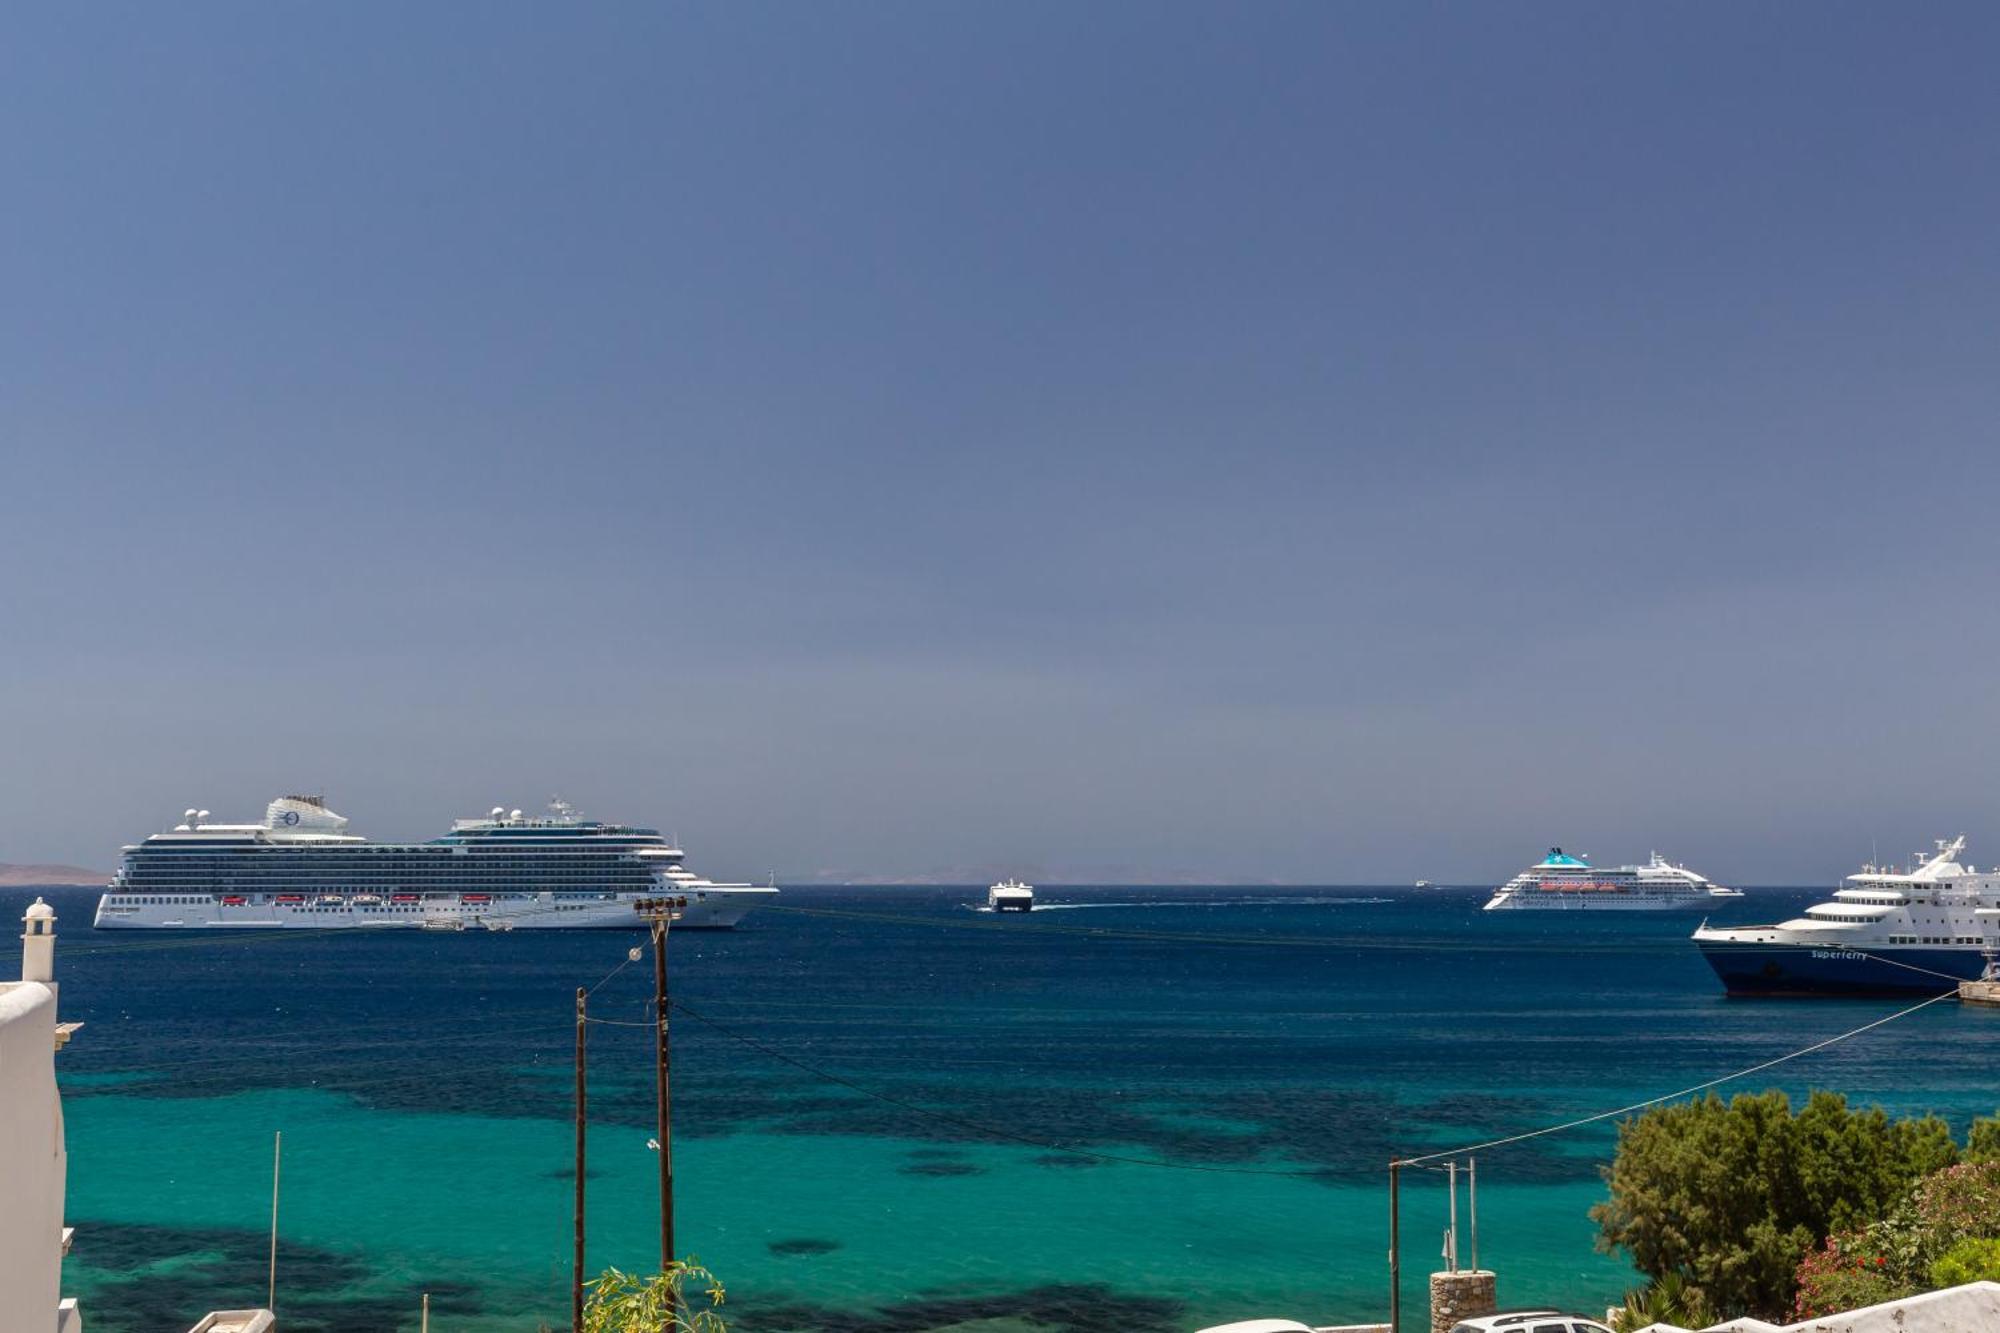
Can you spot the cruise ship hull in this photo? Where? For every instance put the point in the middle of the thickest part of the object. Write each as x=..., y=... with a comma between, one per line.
x=1757, y=968
x=713, y=909
x=1602, y=900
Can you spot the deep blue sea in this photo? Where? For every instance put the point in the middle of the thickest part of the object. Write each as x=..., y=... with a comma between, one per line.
x=874, y=1091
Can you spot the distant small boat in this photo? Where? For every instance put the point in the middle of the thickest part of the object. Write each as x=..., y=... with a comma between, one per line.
x=1010, y=895
x=1423, y=884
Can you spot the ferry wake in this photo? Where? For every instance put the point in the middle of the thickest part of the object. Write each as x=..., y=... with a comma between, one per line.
x=300, y=868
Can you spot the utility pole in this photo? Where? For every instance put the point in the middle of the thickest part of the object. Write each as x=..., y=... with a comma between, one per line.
x=576, y=1278
x=1395, y=1255
x=662, y=912
x=277, y=1155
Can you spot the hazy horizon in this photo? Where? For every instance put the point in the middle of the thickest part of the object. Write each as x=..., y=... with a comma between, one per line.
x=1291, y=442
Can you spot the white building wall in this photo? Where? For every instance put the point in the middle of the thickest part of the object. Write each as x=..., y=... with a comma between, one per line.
x=32, y=1161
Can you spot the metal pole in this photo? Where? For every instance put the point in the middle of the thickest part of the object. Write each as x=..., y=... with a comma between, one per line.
x=1472, y=1205
x=277, y=1154
x=1451, y=1232
x=666, y=1129
x=426, y=1325
x=1395, y=1258
x=576, y=1272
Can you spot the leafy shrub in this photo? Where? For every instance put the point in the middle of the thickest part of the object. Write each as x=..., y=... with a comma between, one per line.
x=1973, y=1260
x=622, y=1302
x=1942, y=1212
x=1664, y=1300
x=1846, y=1273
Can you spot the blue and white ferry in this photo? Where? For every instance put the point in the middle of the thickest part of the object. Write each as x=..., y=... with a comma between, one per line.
x=301, y=868
x=1918, y=931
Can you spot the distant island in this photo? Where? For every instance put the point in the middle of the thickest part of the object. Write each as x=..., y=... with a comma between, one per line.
x=33, y=876
x=1035, y=874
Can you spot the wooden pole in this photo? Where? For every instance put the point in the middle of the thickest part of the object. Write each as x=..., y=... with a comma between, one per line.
x=277, y=1155
x=666, y=1119
x=576, y=1274
x=1395, y=1258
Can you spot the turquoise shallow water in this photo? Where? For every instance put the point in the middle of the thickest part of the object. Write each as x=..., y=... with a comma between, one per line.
x=1286, y=1044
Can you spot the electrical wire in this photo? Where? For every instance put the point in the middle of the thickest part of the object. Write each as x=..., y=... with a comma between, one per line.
x=1670, y=1096
x=1420, y=1160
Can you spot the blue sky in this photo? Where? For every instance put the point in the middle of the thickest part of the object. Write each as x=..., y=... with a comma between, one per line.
x=1312, y=442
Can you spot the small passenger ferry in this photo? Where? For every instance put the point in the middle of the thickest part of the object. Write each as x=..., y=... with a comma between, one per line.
x=1010, y=895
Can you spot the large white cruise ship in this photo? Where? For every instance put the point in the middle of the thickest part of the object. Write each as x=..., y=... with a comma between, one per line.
x=1918, y=931
x=1564, y=883
x=300, y=868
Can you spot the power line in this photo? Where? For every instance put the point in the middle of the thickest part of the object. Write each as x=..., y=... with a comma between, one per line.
x=1670, y=1096
x=997, y=1131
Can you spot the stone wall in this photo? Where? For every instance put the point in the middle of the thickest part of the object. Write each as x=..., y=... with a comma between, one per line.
x=1466, y=1294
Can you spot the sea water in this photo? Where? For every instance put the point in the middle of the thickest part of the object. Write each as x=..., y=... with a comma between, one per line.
x=1146, y=1110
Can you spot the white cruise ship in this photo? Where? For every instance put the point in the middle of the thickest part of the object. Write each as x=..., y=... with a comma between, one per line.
x=1564, y=883
x=1917, y=931
x=300, y=868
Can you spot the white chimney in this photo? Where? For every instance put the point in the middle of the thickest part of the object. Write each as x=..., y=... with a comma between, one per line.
x=38, y=943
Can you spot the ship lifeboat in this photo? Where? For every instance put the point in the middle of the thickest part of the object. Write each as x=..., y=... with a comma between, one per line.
x=330, y=900
x=289, y=899
x=234, y=900
x=475, y=897
x=403, y=898
x=367, y=900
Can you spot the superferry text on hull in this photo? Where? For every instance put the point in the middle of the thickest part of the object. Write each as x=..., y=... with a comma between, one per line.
x=301, y=869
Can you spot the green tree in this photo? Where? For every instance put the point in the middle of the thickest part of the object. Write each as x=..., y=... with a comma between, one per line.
x=621, y=1302
x=1731, y=1196
x=1982, y=1141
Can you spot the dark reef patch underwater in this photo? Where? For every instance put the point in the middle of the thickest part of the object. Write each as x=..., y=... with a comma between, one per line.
x=1062, y=1308
x=919, y=1156
x=148, y=1278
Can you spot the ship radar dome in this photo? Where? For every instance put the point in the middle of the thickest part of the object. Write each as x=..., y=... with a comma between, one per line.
x=513, y=814
x=499, y=811
x=189, y=813
x=201, y=814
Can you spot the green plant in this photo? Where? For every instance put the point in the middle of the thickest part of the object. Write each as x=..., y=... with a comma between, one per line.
x=1846, y=1273
x=621, y=1302
x=1972, y=1260
x=1901, y=1252
x=1982, y=1141
x=1667, y=1299
x=1733, y=1196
